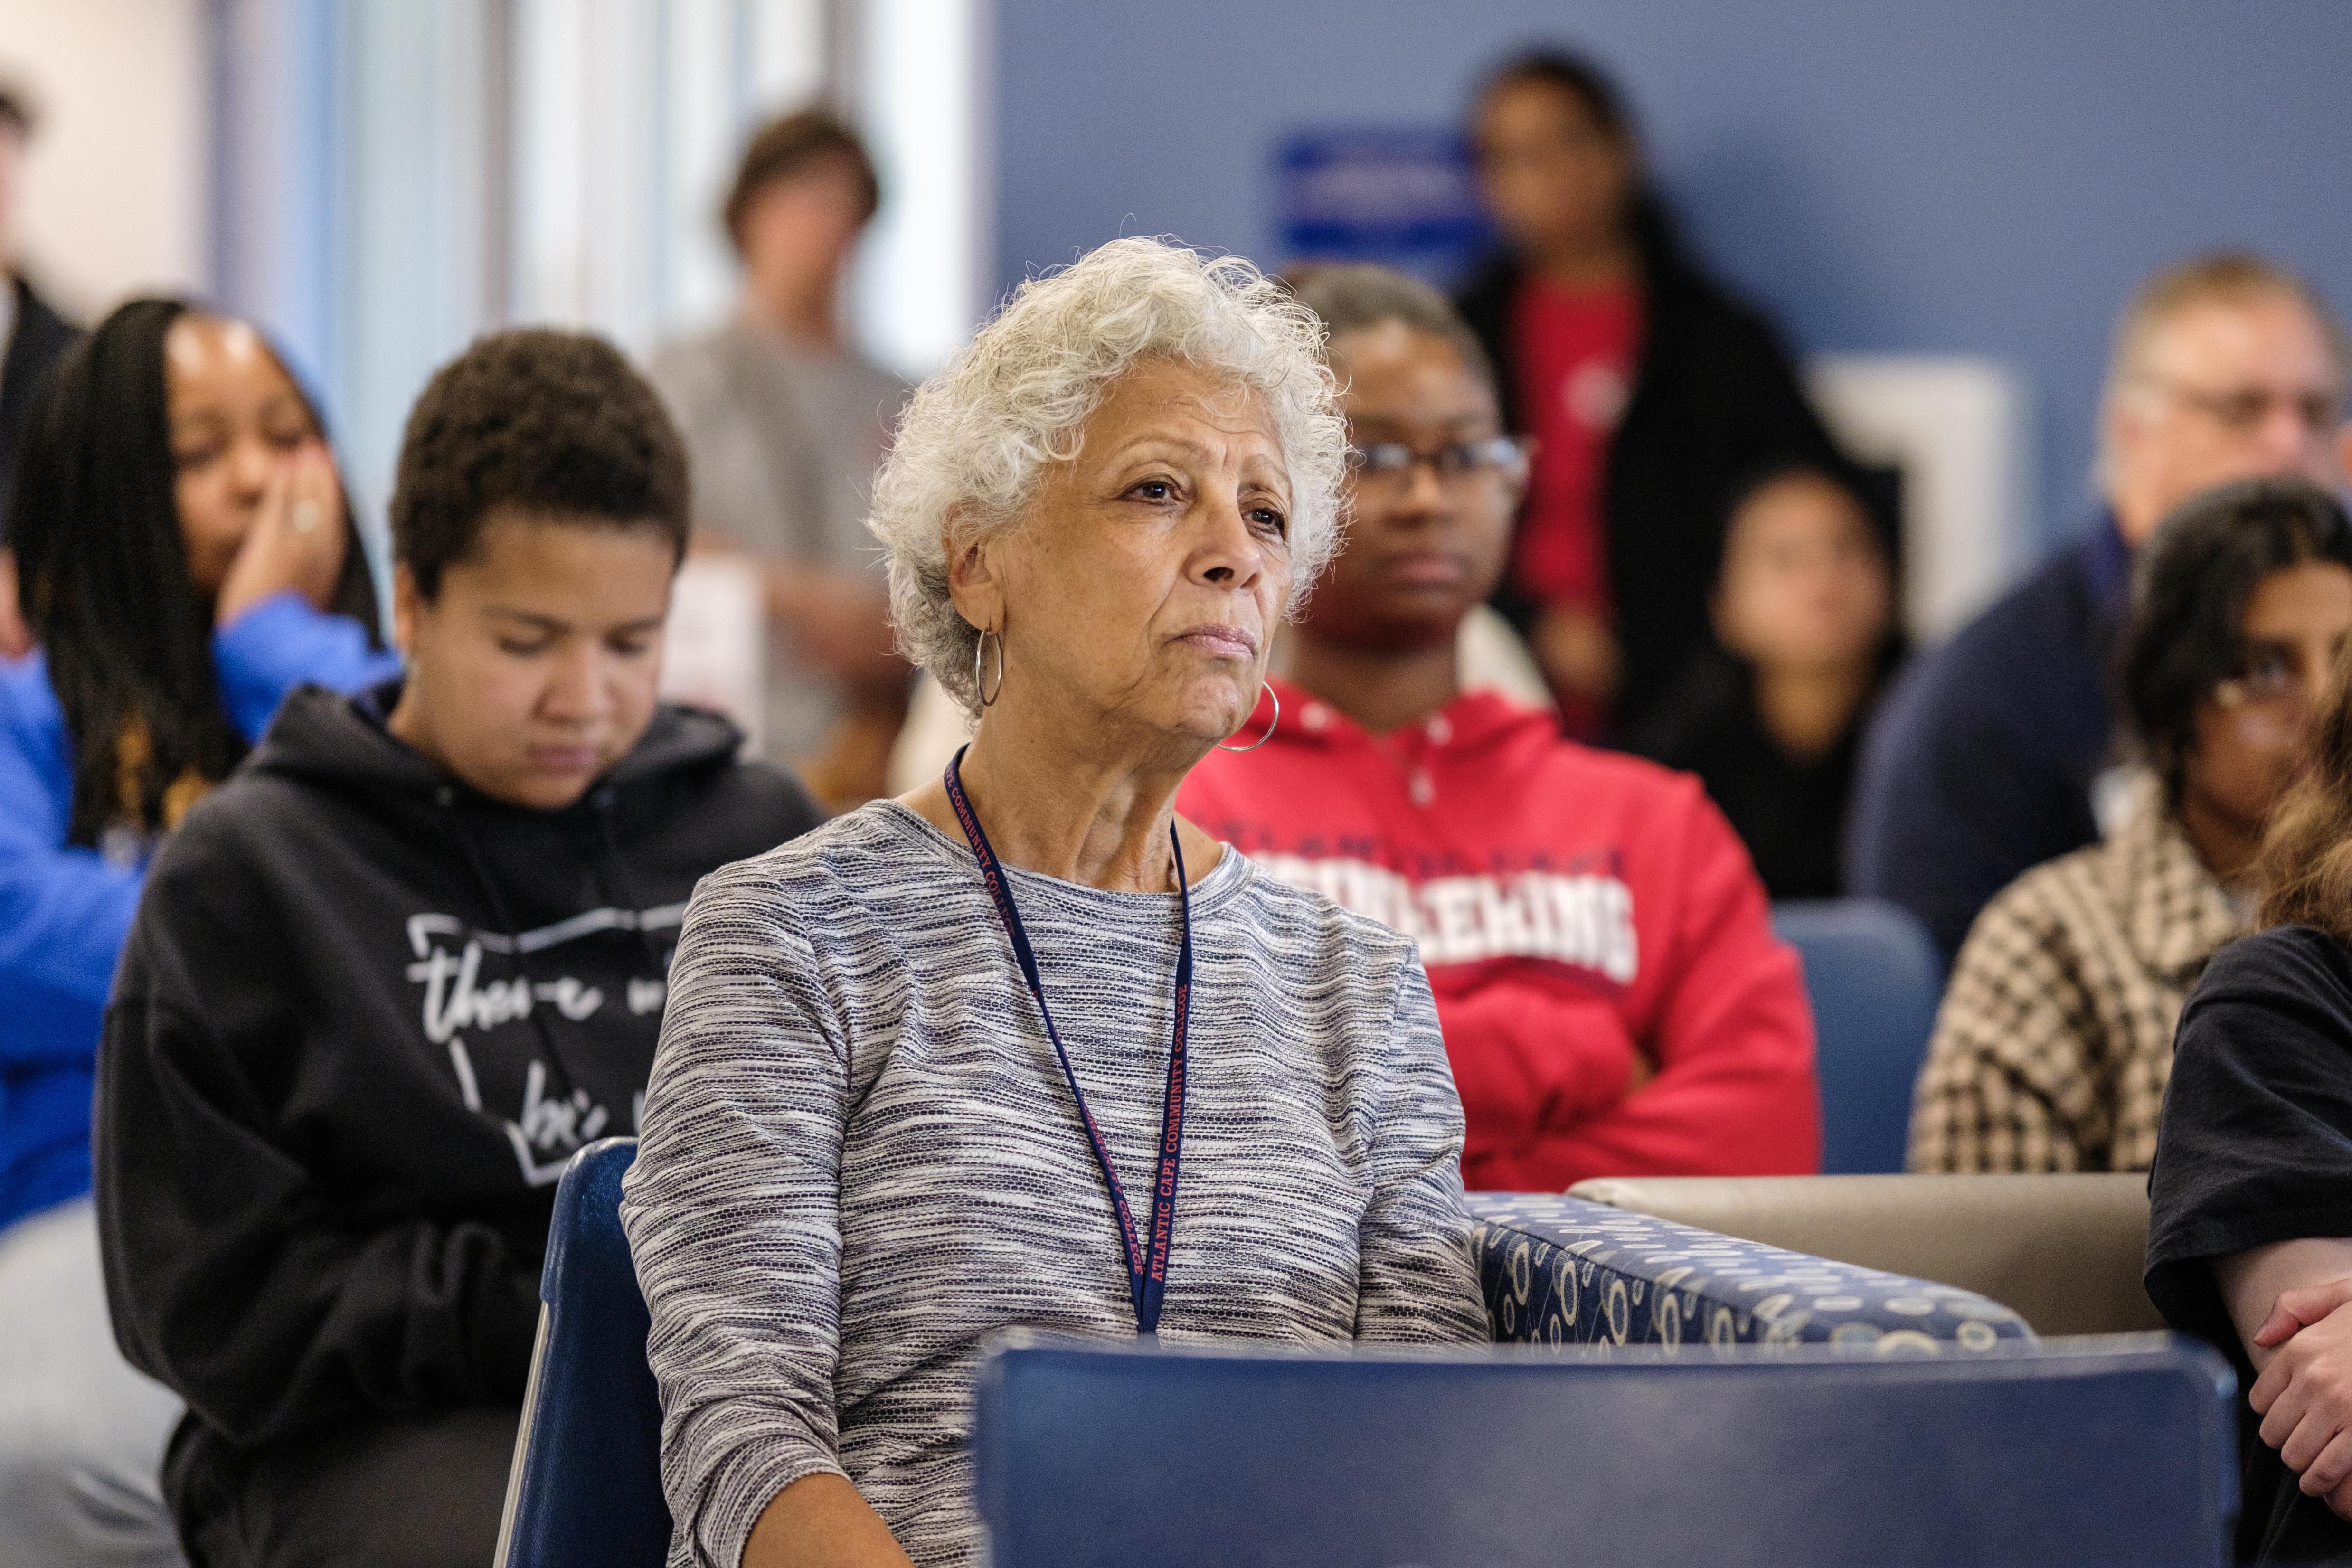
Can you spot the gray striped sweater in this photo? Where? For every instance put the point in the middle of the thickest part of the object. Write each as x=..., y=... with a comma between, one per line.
x=859, y=1157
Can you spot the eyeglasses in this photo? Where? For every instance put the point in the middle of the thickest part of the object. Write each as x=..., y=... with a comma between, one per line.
x=2248, y=409
x=1390, y=463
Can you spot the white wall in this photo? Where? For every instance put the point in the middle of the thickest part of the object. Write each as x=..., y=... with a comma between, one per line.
x=114, y=182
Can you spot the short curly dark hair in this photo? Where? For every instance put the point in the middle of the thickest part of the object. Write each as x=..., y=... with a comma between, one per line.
x=549, y=422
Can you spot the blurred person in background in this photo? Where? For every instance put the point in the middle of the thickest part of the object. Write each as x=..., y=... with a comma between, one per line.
x=386, y=980
x=32, y=336
x=1613, y=1000
x=1986, y=757
x=2250, y=1198
x=785, y=423
x=1647, y=388
x=1772, y=720
x=187, y=558
x=2054, y=1041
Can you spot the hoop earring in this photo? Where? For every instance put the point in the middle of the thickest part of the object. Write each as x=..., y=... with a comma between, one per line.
x=1270, y=728
x=978, y=686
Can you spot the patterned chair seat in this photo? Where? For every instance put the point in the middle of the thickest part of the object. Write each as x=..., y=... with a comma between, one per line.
x=1561, y=1270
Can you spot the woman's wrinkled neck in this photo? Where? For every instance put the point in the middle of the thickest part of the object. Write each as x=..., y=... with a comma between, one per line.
x=1081, y=803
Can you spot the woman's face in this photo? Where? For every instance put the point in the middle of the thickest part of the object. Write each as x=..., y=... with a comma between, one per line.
x=2253, y=734
x=1424, y=545
x=1552, y=177
x=1804, y=584
x=236, y=420
x=1141, y=590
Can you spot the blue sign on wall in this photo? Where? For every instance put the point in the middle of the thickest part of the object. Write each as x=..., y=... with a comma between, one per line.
x=1406, y=197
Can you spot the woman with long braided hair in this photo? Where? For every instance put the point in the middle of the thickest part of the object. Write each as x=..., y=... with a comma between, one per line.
x=185, y=558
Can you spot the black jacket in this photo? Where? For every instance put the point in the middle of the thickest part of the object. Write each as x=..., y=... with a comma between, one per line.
x=364, y=1018
x=39, y=337
x=1714, y=400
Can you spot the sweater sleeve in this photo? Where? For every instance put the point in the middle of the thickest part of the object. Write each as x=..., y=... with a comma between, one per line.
x=1415, y=1281
x=733, y=1213
x=232, y=1274
x=1732, y=1035
x=64, y=911
x=2008, y=1085
x=282, y=643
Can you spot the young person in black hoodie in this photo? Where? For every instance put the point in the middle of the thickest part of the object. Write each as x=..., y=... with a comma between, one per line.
x=390, y=975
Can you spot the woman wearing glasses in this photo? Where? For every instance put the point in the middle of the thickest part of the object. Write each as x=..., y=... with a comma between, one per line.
x=1613, y=1000
x=2055, y=1040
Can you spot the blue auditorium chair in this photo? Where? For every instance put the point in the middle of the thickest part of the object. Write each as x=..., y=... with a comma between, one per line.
x=1874, y=980
x=2093, y=1453
x=586, y=1489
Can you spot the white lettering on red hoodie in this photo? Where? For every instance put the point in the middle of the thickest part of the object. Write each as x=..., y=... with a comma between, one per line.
x=1579, y=912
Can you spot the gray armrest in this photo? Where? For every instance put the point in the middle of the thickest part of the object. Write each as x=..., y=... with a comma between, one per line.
x=2065, y=1251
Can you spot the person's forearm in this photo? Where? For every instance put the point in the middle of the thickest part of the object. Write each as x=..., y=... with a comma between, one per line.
x=821, y=1522
x=2251, y=1282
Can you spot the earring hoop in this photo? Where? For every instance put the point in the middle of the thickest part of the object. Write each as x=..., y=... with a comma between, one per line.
x=1274, y=725
x=978, y=686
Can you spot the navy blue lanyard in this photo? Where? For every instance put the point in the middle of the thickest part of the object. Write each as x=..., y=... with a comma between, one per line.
x=1146, y=1266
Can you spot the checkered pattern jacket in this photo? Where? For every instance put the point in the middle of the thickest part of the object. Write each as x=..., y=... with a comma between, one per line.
x=2054, y=1040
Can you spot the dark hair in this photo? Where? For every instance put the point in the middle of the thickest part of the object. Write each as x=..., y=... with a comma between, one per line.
x=1875, y=500
x=2184, y=634
x=2304, y=868
x=789, y=145
x=544, y=421
x=103, y=578
x=1349, y=298
x=1585, y=81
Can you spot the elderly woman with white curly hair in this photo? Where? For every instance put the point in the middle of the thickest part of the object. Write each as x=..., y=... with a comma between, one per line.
x=1025, y=1048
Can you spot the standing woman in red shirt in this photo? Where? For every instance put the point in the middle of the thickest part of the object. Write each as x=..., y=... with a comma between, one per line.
x=1647, y=388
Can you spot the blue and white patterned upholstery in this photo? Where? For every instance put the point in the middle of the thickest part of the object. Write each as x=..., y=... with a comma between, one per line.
x=1561, y=1270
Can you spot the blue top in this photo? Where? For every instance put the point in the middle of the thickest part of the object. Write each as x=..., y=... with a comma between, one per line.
x=1981, y=764
x=64, y=910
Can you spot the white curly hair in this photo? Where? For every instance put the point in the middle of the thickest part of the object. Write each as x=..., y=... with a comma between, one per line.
x=976, y=436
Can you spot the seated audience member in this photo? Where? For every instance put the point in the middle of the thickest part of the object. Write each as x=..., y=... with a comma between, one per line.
x=785, y=422
x=2250, y=1199
x=1804, y=617
x=1647, y=387
x=998, y=1009
x=1985, y=758
x=389, y=977
x=187, y=557
x=2055, y=1040
x=1613, y=1000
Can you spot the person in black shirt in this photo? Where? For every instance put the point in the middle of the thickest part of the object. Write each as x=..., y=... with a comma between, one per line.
x=1804, y=611
x=2250, y=1224
x=392, y=974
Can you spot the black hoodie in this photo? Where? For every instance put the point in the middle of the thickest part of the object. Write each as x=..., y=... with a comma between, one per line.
x=364, y=1015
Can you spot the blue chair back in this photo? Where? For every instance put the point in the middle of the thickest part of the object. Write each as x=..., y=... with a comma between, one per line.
x=586, y=1490
x=1874, y=979
x=2087, y=1453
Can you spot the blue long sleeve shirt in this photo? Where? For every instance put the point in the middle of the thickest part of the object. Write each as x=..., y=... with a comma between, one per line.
x=64, y=910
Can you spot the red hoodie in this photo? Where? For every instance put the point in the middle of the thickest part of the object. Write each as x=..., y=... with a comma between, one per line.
x=1575, y=908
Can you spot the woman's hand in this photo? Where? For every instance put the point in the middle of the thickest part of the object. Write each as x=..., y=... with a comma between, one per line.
x=2305, y=1394
x=297, y=542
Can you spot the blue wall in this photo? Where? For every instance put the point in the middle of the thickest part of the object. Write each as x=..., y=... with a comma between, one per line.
x=1989, y=177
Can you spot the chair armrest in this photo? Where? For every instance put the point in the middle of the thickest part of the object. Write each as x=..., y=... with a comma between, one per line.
x=1561, y=1270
